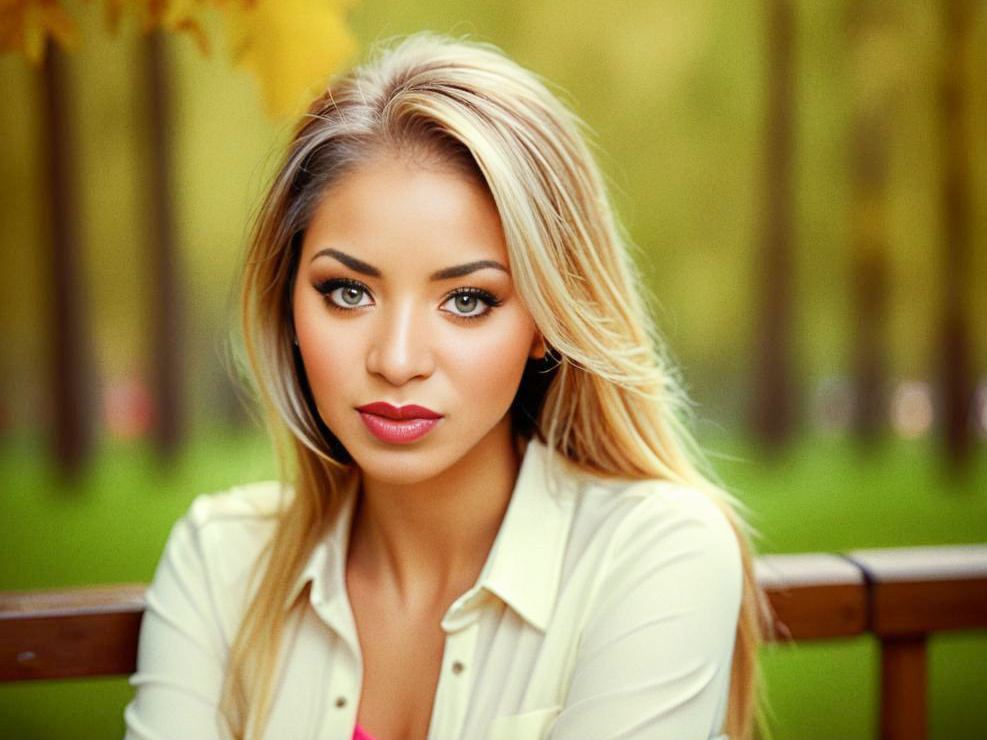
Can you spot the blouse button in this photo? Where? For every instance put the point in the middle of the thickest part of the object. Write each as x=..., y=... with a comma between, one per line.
x=457, y=667
x=340, y=702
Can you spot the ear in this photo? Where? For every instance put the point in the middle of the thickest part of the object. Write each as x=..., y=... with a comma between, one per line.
x=538, y=347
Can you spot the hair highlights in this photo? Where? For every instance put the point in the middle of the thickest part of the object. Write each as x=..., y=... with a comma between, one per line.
x=606, y=398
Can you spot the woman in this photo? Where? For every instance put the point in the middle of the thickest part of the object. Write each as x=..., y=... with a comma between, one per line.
x=493, y=527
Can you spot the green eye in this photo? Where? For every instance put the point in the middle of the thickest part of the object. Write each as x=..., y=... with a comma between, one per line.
x=344, y=293
x=350, y=295
x=466, y=303
x=470, y=303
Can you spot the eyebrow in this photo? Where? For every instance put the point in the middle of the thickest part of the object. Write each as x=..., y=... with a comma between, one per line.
x=460, y=270
x=445, y=274
x=351, y=262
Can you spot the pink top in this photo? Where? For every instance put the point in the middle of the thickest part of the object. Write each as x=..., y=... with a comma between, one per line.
x=360, y=734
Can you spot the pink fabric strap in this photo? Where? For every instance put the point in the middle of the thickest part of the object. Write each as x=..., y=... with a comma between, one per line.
x=360, y=734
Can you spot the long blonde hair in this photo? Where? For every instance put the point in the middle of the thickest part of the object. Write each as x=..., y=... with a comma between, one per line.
x=611, y=403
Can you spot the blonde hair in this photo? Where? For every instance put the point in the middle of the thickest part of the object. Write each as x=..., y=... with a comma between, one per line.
x=611, y=404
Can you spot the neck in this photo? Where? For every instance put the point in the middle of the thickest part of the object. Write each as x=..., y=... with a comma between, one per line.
x=425, y=543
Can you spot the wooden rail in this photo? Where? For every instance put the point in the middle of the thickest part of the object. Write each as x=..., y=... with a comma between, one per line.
x=70, y=633
x=899, y=595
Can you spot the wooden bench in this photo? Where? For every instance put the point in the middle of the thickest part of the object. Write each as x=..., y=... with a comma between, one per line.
x=900, y=595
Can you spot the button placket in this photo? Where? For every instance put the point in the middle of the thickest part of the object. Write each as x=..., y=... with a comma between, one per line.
x=453, y=692
x=343, y=706
x=343, y=694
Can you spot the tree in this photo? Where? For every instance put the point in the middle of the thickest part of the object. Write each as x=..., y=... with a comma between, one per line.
x=162, y=260
x=872, y=35
x=70, y=367
x=955, y=358
x=775, y=393
x=288, y=44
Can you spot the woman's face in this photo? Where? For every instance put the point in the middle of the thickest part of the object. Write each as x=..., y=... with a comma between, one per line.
x=412, y=335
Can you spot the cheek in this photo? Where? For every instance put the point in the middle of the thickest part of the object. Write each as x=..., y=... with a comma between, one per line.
x=330, y=359
x=325, y=365
x=488, y=369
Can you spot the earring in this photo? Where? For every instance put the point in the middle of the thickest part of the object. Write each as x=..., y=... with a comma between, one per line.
x=551, y=359
x=542, y=351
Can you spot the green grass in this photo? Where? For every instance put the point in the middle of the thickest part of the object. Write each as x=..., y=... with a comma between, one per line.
x=827, y=495
x=823, y=495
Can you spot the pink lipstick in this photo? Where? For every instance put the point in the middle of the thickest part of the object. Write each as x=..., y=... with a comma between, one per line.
x=398, y=425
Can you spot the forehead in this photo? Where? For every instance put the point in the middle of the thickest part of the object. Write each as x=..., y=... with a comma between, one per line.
x=413, y=216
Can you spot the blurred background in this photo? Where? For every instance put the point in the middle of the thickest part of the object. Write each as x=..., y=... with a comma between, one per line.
x=805, y=185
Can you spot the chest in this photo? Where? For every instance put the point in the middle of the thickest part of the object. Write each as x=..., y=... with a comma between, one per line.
x=402, y=660
x=461, y=683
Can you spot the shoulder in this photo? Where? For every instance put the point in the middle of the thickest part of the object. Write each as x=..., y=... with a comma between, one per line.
x=649, y=505
x=218, y=540
x=202, y=581
x=642, y=523
x=651, y=608
x=656, y=548
x=242, y=504
x=676, y=507
x=236, y=520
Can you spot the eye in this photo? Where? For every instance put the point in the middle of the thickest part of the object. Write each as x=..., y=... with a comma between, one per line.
x=349, y=294
x=470, y=303
x=345, y=294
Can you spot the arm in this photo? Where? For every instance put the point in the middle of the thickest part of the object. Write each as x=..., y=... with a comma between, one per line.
x=181, y=652
x=655, y=656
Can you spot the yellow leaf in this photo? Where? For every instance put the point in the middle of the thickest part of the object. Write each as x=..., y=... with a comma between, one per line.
x=60, y=26
x=193, y=29
x=290, y=45
x=179, y=16
x=112, y=12
x=34, y=36
x=176, y=12
x=26, y=24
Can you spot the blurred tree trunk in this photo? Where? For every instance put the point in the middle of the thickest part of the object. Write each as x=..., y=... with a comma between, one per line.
x=871, y=34
x=162, y=261
x=956, y=372
x=70, y=371
x=774, y=377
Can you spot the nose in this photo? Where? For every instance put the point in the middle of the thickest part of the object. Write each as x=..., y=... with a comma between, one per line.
x=400, y=349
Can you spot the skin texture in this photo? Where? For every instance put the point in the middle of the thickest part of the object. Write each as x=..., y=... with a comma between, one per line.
x=429, y=510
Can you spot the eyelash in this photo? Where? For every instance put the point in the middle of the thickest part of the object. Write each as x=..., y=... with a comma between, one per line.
x=477, y=293
x=327, y=287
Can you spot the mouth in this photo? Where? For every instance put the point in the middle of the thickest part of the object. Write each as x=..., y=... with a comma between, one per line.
x=398, y=425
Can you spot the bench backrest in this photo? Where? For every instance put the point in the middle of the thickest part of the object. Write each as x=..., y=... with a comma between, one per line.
x=900, y=595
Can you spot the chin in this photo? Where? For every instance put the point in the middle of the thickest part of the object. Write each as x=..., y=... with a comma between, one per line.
x=421, y=461
x=403, y=466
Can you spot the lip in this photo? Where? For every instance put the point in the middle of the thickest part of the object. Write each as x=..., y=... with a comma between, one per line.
x=396, y=425
x=411, y=411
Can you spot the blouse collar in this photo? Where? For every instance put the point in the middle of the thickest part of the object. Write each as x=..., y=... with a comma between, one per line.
x=523, y=567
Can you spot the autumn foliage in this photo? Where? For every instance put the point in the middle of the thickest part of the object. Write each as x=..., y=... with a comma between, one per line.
x=288, y=45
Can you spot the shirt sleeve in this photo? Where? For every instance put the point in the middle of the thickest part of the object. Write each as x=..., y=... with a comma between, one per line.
x=655, y=655
x=181, y=650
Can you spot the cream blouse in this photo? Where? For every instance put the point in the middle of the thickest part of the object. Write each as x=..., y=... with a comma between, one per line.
x=606, y=609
